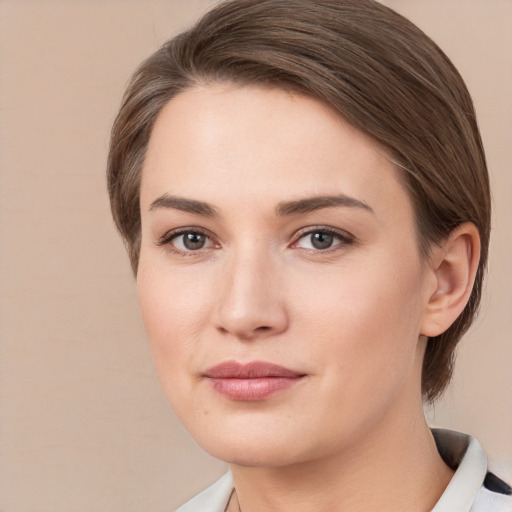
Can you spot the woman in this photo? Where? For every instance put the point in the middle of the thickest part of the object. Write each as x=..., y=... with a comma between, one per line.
x=303, y=193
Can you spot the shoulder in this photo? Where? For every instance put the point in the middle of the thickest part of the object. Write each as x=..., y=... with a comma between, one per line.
x=213, y=499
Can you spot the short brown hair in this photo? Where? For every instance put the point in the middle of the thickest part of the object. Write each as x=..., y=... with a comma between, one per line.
x=374, y=67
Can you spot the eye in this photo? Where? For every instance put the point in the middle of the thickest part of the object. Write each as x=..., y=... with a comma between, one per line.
x=322, y=240
x=190, y=241
x=186, y=241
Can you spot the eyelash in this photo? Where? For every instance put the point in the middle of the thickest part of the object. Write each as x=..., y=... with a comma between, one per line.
x=345, y=239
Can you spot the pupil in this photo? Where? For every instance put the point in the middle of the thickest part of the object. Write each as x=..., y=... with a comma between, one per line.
x=194, y=241
x=321, y=240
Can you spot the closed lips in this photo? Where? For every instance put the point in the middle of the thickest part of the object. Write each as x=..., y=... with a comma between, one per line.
x=251, y=382
x=253, y=370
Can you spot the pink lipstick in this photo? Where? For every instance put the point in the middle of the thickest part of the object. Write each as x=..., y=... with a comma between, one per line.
x=252, y=381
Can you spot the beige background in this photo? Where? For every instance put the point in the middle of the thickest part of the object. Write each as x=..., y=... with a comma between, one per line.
x=84, y=425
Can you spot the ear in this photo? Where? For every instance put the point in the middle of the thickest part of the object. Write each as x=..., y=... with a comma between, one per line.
x=453, y=265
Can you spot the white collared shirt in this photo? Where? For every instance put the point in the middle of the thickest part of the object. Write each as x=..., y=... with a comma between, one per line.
x=466, y=492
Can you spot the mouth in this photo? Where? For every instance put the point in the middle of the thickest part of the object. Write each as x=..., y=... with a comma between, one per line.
x=252, y=381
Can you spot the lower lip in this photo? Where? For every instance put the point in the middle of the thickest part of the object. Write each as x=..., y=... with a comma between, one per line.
x=252, y=389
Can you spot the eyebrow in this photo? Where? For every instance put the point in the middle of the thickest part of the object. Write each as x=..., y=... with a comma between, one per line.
x=311, y=204
x=184, y=205
x=283, y=209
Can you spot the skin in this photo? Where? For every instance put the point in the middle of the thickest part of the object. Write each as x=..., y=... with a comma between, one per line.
x=352, y=318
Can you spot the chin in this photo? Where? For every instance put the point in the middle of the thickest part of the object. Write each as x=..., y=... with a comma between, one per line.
x=272, y=453
x=254, y=455
x=257, y=447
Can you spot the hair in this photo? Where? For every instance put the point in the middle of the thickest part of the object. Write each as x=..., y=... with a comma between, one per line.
x=375, y=68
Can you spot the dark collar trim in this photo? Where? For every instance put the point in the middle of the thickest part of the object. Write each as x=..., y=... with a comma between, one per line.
x=495, y=484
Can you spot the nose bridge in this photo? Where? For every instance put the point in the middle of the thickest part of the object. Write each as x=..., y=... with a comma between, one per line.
x=251, y=302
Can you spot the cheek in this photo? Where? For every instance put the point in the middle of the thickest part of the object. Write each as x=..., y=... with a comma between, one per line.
x=173, y=309
x=364, y=294
x=366, y=322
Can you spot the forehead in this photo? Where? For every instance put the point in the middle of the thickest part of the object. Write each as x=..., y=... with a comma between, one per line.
x=251, y=143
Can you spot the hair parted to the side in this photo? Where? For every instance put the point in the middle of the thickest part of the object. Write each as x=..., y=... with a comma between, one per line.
x=374, y=67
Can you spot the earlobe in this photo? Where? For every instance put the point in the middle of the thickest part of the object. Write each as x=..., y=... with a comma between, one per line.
x=454, y=264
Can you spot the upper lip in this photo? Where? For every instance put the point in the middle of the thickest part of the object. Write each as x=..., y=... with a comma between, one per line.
x=252, y=370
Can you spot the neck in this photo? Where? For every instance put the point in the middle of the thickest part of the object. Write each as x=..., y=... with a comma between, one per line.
x=393, y=467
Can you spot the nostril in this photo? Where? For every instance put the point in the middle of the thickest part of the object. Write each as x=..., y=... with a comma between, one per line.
x=246, y=335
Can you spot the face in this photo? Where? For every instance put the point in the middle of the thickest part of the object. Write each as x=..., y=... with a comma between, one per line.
x=280, y=280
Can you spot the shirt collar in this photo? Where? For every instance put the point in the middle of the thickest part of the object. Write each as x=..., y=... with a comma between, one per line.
x=465, y=455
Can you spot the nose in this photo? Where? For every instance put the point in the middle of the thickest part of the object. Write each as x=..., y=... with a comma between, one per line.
x=251, y=301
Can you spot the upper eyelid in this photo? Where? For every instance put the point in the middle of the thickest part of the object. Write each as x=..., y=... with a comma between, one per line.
x=326, y=229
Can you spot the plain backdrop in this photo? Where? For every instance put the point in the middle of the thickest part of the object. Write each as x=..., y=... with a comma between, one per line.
x=84, y=425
